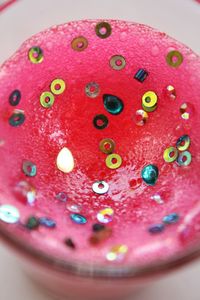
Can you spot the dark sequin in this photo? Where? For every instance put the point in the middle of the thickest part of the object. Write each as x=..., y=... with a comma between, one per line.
x=47, y=222
x=16, y=119
x=32, y=223
x=141, y=75
x=15, y=97
x=113, y=104
x=150, y=174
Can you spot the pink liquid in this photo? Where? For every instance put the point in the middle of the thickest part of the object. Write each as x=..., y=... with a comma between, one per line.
x=69, y=123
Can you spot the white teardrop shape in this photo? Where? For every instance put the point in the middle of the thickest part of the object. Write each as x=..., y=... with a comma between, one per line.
x=65, y=160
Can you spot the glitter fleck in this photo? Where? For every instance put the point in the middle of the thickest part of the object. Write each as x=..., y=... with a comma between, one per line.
x=26, y=192
x=69, y=242
x=114, y=105
x=117, y=253
x=157, y=198
x=73, y=207
x=47, y=222
x=29, y=168
x=32, y=223
x=170, y=92
x=105, y=215
x=157, y=228
x=150, y=174
x=171, y=218
x=9, y=214
x=100, y=187
x=78, y=219
x=65, y=160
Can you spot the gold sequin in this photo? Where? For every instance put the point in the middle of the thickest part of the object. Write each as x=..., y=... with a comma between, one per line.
x=107, y=146
x=183, y=143
x=174, y=58
x=58, y=86
x=47, y=99
x=113, y=161
x=149, y=101
x=79, y=43
x=170, y=154
x=35, y=55
x=117, y=253
x=103, y=30
x=117, y=62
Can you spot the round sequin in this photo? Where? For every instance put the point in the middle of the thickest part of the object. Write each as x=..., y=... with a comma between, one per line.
x=117, y=62
x=47, y=222
x=58, y=86
x=79, y=43
x=114, y=105
x=117, y=253
x=150, y=174
x=29, y=168
x=183, y=143
x=107, y=146
x=100, y=121
x=170, y=219
x=149, y=101
x=17, y=119
x=92, y=89
x=157, y=228
x=78, y=219
x=100, y=187
x=62, y=196
x=15, y=97
x=35, y=55
x=184, y=158
x=174, y=58
x=73, y=207
x=141, y=117
x=170, y=154
x=9, y=214
x=103, y=30
x=113, y=161
x=105, y=215
x=171, y=92
x=47, y=99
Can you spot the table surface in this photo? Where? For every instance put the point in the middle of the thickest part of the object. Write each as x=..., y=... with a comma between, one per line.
x=180, y=19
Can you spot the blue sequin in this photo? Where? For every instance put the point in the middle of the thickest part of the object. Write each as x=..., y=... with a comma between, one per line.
x=141, y=75
x=78, y=219
x=157, y=228
x=150, y=174
x=113, y=104
x=170, y=219
x=47, y=222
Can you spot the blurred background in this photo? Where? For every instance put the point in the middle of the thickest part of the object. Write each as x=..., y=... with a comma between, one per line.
x=21, y=18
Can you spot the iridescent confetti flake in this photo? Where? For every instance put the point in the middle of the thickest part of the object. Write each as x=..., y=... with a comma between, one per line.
x=170, y=92
x=103, y=30
x=113, y=161
x=171, y=218
x=141, y=75
x=149, y=101
x=17, y=118
x=32, y=223
x=184, y=158
x=117, y=253
x=78, y=219
x=47, y=222
x=107, y=146
x=170, y=154
x=100, y=121
x=29, y=168
x=92, y=90
x=15, y=97
x=150, y=174
x=9, y=214
x=186, y=110
x=100, y=187
x=157, y=228
x=157, y=198
x=113, y=104
x=183, y=143
x=105, y=215
x=141, y=117
x=35, y=55
x=58, y=86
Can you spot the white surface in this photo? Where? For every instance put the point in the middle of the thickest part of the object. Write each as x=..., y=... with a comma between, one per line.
x=180, y=19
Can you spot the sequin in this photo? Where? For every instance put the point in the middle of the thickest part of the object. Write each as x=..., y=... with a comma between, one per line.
x=117, y=62
x=186, y=110
x=79, y=43
x=15, y=97
x=47, y=99
x=150, y=174
x=100, y=121
x=73, y=207
x=141, y=75
x=157, y=228
x=103, y=30
x=183, y=143
x=157, y=198
x=184, y=158
x=92, y=89
x=113, y=161
x=174, y=58
x=26, y=192
x=58, y=86
x=107, y=146
x=170, y=92
x=62, y=196
x=149, y=101
x=35, y=55
x=100, y=236
x=170, y=154
x=114, y=105
x=47, y=222
x=29, y=168
x=98, y=227
x=70, y=243
x=105, y=215
x=32, y=223
x=17, y=118
x=100, y=187
x=117, y=253
x=65, y=161
x=171, y=218
x=141, y=117
x=9, y=214
x=78, y=219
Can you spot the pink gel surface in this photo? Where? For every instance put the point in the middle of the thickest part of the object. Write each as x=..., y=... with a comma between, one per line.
x=68, y=123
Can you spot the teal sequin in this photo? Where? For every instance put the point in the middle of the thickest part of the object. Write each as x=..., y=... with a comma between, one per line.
x=78, y=219
x=113, y=104
x=150, y=174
